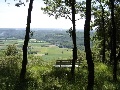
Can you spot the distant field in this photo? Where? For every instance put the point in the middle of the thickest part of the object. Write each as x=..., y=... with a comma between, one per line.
x=56, y=53
x=40, y=48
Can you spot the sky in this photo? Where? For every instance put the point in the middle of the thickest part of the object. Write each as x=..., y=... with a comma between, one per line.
x=16, y=17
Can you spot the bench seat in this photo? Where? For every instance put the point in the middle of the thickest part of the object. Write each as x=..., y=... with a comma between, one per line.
x=66, y=63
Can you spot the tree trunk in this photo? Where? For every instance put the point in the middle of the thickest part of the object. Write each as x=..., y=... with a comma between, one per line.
x=103, y=22
x=74, y=39
x=103, y=30
x=24, y=62
x=87, y=46
x=111, y=47
x=114, y=41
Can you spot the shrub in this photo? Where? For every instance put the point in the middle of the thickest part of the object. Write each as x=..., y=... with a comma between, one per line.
x=11, y=50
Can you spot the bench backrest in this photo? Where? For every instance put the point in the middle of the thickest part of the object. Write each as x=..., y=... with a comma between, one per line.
x=67, y=62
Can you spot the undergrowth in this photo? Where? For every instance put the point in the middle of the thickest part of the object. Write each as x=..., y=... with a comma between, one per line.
x=41, y=75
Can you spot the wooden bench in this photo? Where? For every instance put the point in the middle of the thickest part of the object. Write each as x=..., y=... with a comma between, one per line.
x=66, y=63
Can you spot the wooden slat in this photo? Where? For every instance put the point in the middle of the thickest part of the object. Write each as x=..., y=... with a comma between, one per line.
x=67, y=62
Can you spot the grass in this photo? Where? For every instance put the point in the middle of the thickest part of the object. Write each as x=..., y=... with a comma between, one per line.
x=54, y=52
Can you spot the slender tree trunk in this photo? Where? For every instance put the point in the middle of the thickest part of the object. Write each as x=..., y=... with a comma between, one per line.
x=87, y=46
x=74, y=39
x=111, y=47
x=103, y=22
x=114, y=41
x=24, y=62
x=103, y=28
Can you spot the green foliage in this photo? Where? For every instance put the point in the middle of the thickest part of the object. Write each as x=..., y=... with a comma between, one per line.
x=98, y=37
x=70, y=32
x=10, y=69
x=103, y=77
x=81, y=55
x=41, y=75
x=31, y=34
x=11, y=50
x=59, y=8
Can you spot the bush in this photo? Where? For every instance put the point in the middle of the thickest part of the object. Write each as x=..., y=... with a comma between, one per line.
x=11, y=50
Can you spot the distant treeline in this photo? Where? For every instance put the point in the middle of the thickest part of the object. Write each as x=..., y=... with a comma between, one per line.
x=56, y=37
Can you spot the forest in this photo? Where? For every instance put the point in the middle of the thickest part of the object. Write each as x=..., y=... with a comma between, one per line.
x=99, y=56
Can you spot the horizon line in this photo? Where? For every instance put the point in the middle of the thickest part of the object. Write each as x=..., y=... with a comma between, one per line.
x=41, y=28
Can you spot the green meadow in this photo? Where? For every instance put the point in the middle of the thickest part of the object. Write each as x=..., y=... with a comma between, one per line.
x=43, y=49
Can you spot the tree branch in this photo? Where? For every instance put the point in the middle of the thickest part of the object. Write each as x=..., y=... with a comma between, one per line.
x=69, y=17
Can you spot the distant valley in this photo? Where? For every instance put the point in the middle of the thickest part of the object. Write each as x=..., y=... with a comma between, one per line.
x=58, y=37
